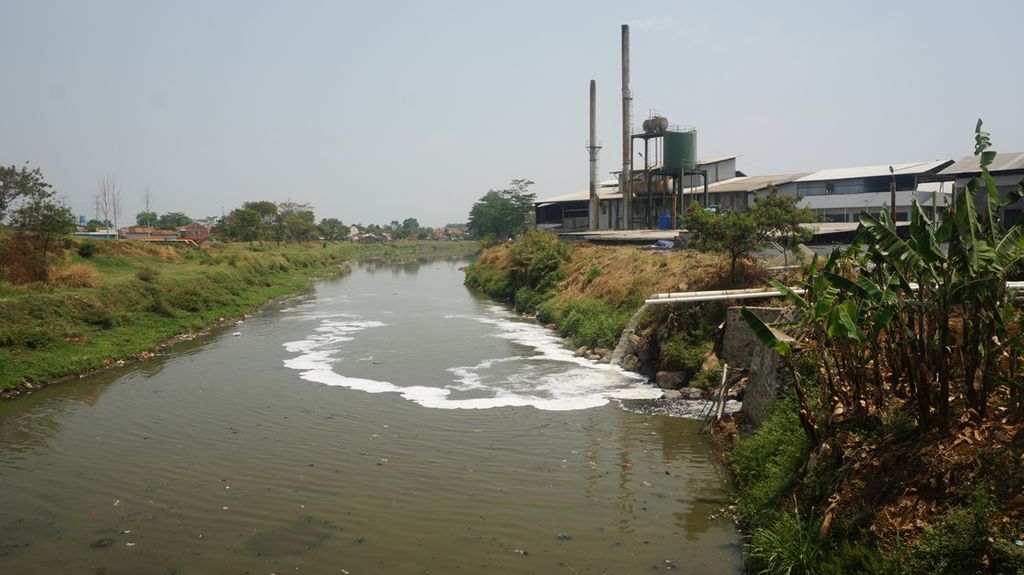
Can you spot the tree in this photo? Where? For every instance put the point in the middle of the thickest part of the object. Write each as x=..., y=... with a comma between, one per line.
x=146, y=218
x=241, y=224
x=20, y=184
x=734, y=233
x=173, y=220
x=147, y=200
x=740, y=233
x=332, y=229
x=503, y=214
x=295, y=222
x=93, y=225
x=267, y=212
x=40, y=221
x=778, y=216
x=410, y=228
x=108, y=200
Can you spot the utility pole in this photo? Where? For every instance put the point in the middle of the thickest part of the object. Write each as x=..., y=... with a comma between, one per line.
x=892, y=196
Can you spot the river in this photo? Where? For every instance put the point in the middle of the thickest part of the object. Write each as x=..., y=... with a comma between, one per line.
x=387, y=421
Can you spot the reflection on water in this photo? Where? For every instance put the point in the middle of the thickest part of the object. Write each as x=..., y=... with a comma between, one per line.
x=221, y=458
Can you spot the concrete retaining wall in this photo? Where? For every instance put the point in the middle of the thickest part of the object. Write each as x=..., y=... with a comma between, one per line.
x=769, y=378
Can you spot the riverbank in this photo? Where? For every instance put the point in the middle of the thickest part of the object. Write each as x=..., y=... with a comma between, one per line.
x=879, y=494
x=590, y=293
x=112, y=302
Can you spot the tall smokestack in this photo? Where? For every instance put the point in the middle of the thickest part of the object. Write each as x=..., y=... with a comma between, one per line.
x=593, y=148
x=627, y=155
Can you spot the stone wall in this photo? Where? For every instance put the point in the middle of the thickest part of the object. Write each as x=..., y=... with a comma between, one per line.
x=768, y=380
x=740, y=348
x=738, y=342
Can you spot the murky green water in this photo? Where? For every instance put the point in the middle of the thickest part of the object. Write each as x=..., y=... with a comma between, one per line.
x=387, y=422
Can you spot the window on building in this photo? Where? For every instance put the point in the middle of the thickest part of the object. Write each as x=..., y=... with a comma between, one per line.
x=810, y=189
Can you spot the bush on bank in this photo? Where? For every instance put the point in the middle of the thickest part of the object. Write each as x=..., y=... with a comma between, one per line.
x=590, y=293
x=783, y=501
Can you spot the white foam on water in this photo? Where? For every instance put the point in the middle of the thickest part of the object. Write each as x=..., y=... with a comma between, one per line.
x=550, y=377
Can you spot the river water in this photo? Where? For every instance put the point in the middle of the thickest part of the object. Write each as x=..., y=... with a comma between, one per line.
x=388, y=421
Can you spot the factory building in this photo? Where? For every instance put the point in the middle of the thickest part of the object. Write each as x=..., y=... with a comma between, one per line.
x=1007, y=171
x=841, y=194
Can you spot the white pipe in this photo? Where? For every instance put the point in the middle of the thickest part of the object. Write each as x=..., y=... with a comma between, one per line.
x=720, y=296
x=753, y=293
x=690, y=294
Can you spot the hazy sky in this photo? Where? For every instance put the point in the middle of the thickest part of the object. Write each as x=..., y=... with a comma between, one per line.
x=378, y=111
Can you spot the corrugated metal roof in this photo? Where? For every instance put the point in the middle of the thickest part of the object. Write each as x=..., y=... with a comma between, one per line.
x=606, y=190
x=713, y=160
x=746, y=183
x=872, y=171
x=699, y=161
x=857, y=202
x=969, y=165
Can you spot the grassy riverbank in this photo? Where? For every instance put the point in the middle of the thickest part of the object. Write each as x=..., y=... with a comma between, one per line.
x=589, y=293
x=879, y=493
x=111, y=301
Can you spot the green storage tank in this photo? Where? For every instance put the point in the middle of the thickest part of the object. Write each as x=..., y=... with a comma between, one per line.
x=681, y=150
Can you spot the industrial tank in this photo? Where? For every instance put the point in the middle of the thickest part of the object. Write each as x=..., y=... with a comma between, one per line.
x=656, y=124
x=681, y=150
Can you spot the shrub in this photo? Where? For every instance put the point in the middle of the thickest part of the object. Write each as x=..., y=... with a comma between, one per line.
x=965, y=540
x=527, y=299
x=87, y=249
x=158, y=304
x=535, y=259
x=100, y=317
x=547, y=311
x=28, y=337
x=592, y=323
x=767, y=463
x=897, y=422
x=790, y=544
x=710, y=379
x=147, y=274
x=680, y=353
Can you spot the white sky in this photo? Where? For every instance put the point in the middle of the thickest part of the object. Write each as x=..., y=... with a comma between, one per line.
x=380, y=111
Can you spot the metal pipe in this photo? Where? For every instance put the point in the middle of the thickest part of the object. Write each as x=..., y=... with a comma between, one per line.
x=704, y=174
x=752, y=293
x=626, y=184
x=595, y=202
x=647, y=181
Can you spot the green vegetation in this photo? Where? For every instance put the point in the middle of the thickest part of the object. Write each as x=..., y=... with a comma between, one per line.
x=899, y=449
x=168, y=221
x=112, y=300
x=590, y=293
x=21, y=184
x=268, y=221
x=528, y=272
x=503, y=214
x=767, y=463
x=38, y=222
x=591, y=322
x=740, y=233
x=960, y=542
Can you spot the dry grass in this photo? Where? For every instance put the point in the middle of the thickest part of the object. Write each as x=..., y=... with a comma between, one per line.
x=75, y=275
x=166, y=254
x=628, y=275
x=496, y=256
